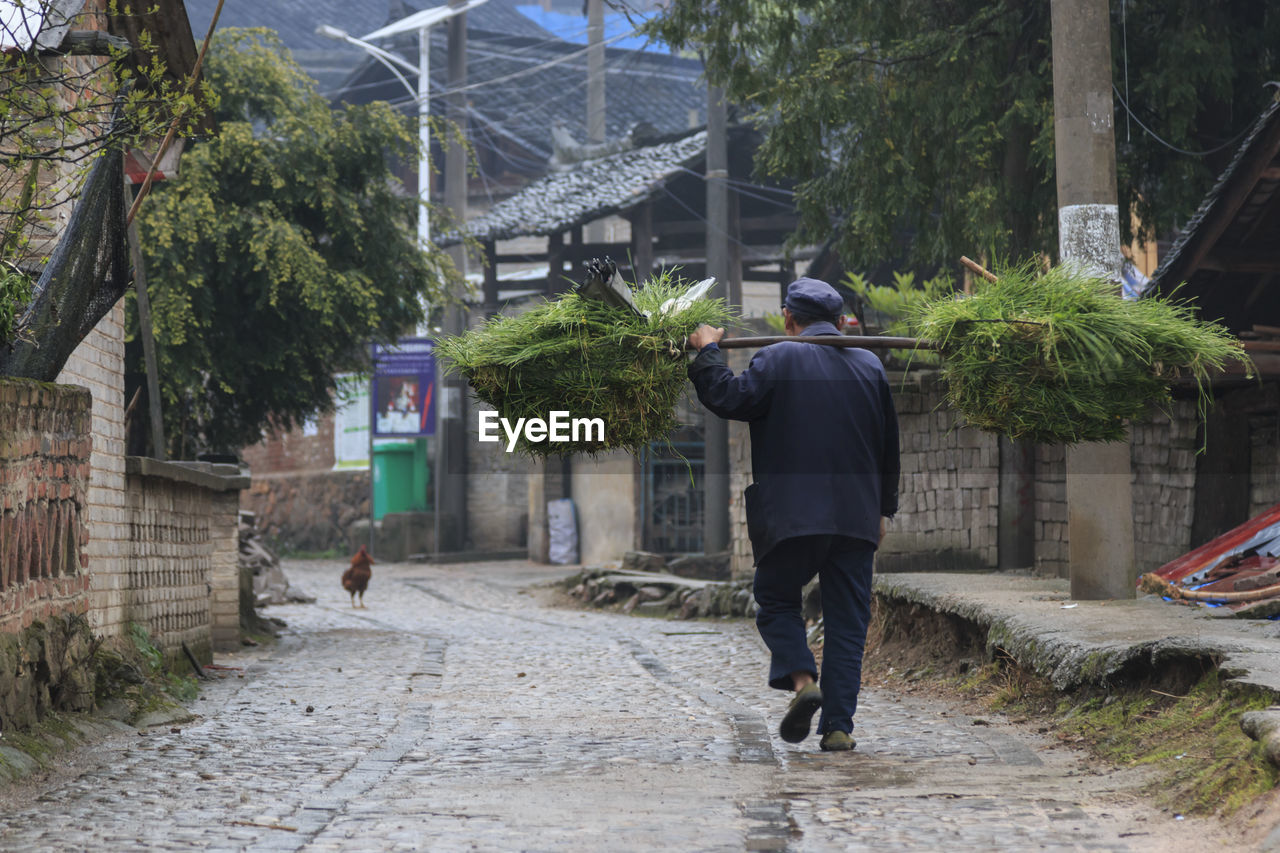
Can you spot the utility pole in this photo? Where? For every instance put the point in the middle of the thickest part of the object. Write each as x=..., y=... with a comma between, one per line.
x=595, y=71
x=1099, y=490
x=716, y=463
x=595, y=92
x=451, y=508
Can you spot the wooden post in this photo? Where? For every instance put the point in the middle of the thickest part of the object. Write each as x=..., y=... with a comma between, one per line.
x=555, y=262
x=642, y=241
x=156, y=415
x=490, y=279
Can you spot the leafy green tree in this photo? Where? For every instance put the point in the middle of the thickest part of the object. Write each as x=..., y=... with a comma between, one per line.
x=284, y=247
x=934, y=121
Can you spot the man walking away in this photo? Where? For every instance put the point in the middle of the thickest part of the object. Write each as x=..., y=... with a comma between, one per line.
x=824, y=458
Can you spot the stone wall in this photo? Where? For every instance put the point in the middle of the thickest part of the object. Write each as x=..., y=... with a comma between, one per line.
x=948, y=495
x=497, y=491
x=309, y=511
x=44, y=477
x=183, y=538
x=1051, y=511
x=1162, y=456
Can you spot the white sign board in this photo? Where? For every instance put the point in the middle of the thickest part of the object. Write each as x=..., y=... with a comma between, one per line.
x=351, y=422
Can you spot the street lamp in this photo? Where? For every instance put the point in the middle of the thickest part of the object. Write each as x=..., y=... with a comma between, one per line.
x=422, y=22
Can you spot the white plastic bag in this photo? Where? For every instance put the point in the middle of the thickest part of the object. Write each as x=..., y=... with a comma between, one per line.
x=562, y=531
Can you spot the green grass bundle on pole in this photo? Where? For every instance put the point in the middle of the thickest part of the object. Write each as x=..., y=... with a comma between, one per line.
x=1061, y=358
x=589, y=359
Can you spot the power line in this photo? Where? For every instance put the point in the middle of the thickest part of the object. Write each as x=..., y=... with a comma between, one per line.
x=1170, y=145
x=737, y=185
x=749, y=252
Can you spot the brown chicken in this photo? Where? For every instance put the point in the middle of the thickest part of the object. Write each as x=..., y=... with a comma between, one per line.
x=356, y=579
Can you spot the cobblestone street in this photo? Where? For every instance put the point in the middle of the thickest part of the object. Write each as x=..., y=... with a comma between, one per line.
x=457, y=712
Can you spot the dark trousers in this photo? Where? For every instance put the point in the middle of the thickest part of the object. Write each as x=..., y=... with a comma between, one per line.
x=843, y=567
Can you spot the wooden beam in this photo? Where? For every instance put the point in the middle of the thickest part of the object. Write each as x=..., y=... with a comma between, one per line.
x=1242, y=184
x=783, y=222
x=1243, y=260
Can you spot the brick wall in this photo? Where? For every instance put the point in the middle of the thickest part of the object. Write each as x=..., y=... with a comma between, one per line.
x=294, y=451
x=184, y=542
x=98, y=364
x=224, y=597
x=44, y=474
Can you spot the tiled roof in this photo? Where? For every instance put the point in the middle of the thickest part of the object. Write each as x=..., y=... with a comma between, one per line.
x=587, y=192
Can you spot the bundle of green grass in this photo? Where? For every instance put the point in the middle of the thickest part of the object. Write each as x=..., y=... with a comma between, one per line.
x=587, y=358
x=1060, y=358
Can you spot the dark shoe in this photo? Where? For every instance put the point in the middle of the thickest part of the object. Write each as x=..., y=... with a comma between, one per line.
x=795, y=725
x=837, y=741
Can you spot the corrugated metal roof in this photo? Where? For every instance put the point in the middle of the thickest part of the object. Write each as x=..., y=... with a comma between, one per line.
x=589, y=191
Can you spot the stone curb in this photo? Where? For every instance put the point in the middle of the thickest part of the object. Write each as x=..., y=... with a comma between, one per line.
x=1029, y=625
x=660, y=594
x=1066, y=657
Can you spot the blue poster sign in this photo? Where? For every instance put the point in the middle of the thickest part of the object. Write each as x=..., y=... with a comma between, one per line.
x=404, y=398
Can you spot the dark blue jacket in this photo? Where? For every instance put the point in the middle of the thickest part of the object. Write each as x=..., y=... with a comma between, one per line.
x=824, y=437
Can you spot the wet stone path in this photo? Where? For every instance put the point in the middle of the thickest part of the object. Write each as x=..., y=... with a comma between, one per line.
x=456, y=712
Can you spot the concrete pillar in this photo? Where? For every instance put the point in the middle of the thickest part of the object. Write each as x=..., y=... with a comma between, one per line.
x=451, y=493
x=716, y=477
x=1099, y=487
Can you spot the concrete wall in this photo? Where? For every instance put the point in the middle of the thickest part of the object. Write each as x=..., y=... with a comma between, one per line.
x=44, y=477
x=604, y=493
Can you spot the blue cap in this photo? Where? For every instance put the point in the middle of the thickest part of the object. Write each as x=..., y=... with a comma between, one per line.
x=813, y=297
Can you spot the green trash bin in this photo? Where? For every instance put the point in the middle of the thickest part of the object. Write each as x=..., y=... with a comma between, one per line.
x=399, y=478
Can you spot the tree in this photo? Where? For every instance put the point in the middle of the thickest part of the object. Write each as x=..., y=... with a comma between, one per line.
x=67, y=98
x=933, y=121
x=284, y=247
